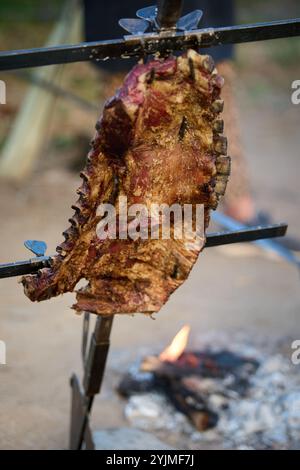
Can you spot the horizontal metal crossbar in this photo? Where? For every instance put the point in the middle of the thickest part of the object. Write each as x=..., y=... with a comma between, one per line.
x=32, y=265
x=148, y=44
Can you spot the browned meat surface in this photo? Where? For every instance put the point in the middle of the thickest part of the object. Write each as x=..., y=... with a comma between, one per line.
x=158, y=141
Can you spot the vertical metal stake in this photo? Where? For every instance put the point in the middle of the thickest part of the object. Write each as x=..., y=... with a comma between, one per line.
x=94, y=366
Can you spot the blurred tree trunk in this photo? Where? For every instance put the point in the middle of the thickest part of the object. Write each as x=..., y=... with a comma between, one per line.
x=24, y=144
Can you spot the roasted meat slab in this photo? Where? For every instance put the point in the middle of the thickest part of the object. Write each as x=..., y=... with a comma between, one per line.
x=159, y=140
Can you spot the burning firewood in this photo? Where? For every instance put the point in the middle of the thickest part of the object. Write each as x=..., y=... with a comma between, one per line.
x=179, y=374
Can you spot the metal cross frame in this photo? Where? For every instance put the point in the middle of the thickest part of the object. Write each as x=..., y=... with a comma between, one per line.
x=169, y=33
x=94, y=361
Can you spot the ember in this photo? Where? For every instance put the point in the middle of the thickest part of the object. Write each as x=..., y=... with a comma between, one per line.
x=180, y=375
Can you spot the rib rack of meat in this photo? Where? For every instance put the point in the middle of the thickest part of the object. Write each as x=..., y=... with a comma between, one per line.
x=159, y=140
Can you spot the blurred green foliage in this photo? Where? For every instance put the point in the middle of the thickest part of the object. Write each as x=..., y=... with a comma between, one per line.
x=286, y=53
x=62, y=142
x=29, y=10
x=41, y=10
x=266, y=10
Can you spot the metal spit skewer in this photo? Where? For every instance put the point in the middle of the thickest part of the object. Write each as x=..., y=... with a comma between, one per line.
x=148, y=44
x=32, y=265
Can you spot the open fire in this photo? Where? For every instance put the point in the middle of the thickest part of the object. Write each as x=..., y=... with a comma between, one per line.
x=177, y=346
x=181, y=375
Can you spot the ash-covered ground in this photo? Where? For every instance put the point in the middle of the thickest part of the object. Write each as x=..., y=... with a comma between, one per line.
x=263, y=414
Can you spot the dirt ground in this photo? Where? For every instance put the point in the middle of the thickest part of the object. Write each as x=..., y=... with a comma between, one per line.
x=232, y=288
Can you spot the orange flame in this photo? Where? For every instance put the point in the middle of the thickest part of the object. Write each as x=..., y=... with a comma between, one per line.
x=177, y=346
